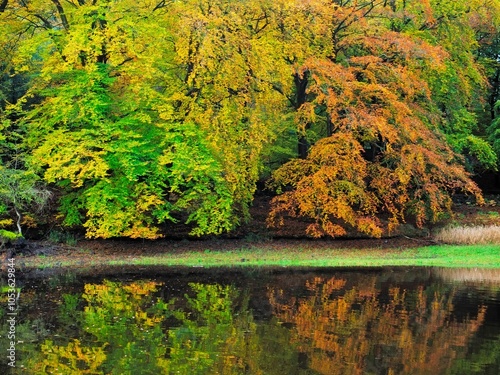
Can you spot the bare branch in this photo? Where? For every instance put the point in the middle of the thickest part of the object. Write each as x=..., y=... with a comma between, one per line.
x=161, y=4
x=46, y=23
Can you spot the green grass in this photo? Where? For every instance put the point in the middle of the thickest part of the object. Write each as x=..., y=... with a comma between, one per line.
x=480, y=256
x=487, y=256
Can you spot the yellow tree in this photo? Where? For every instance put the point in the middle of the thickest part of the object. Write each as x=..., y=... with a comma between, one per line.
x=146, y=113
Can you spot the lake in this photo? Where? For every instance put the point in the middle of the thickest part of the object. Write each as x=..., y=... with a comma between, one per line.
x=254, y=321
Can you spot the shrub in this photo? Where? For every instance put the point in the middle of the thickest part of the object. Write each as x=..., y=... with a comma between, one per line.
x=6, y=236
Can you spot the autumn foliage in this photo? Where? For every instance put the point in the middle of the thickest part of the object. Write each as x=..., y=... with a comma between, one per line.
x=384, y=152
x=382, y=155
x=143, y=114
x=409, y=331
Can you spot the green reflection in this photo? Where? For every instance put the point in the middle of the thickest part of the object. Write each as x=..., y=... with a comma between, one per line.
x=123, y=329
x=212, y=337
x=119, y=333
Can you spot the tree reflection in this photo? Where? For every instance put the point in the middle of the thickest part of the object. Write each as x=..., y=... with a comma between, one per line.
x=213, y=338
x=124, y=330
x=120, y=334
x=351, y=331
x=332, y=328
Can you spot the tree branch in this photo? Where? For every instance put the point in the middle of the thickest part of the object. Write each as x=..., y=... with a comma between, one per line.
x=3, y=5
x=60, y=10
x=161, y=4
x=46, y=23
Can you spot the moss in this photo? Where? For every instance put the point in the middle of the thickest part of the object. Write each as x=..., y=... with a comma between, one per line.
x=6, y=236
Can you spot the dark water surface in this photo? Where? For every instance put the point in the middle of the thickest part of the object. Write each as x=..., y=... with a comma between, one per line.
x=256, y=321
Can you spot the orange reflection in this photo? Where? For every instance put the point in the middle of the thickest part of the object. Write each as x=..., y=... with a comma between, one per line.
x=359, y=330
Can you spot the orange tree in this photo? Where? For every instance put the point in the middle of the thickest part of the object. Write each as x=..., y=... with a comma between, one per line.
x=389, y=144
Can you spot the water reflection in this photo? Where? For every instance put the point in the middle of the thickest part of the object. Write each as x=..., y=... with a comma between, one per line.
x=358, y=330
x=391, y=322
x=118, y=332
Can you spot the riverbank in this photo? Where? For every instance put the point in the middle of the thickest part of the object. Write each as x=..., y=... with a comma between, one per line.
x=254, y=244
x=282, y=253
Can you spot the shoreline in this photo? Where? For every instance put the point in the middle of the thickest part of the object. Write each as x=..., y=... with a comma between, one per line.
x=272, y=253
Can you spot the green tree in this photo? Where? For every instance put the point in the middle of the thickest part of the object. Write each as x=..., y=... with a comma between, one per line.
x=21, y=190
x=146, y=114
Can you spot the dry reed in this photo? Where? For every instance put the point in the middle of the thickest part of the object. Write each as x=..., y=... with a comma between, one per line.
x=472, y=275
x=482, y=234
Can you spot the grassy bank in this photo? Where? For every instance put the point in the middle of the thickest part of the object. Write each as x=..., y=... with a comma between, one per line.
x=485, y=256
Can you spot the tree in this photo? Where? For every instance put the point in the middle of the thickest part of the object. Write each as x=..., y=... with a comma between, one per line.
x=386, y=153
x=459, y=92
x=486, y=24
x=146, y=115
x=21, y=190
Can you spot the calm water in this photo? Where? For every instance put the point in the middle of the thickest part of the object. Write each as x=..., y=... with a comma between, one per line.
x=365, y=321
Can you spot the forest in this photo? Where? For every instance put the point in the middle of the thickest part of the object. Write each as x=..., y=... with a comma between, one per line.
x=120, y=118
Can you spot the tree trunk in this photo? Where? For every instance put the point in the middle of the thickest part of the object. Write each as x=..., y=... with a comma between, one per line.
x=3, y=5
x=495, y=88
x=301, y=81
x=18, y=222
